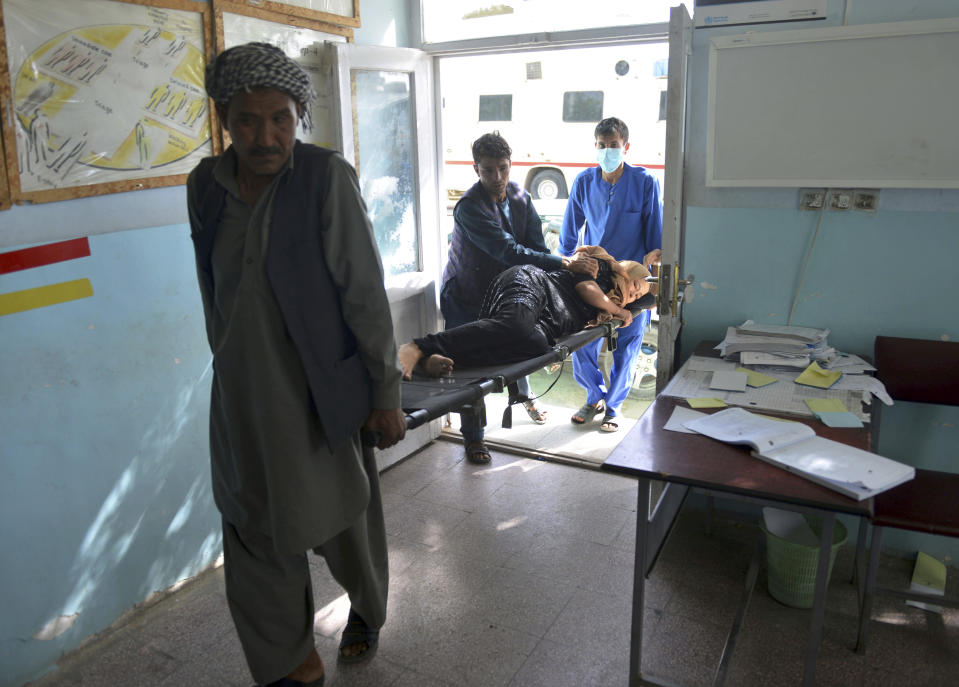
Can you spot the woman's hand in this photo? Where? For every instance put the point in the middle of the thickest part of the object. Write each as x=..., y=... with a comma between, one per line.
x=625, y=315
x=582, y=264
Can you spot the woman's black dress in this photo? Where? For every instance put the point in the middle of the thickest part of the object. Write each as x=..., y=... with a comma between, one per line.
x=525, y=311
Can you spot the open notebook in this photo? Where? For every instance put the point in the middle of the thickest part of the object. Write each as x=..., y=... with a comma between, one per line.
x=796, y=447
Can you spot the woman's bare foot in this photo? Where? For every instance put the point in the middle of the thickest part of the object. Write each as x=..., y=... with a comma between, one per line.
x=310, y=670
x=438, y=366
x=409, y=354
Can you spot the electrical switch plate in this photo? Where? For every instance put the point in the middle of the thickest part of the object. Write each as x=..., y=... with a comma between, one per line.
x=866, y=199
x=840, y=199
x=812, y=198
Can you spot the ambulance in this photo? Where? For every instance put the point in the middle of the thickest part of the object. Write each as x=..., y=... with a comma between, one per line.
x=546, y=105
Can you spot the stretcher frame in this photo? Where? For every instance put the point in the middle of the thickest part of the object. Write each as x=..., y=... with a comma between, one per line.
x=425, y=398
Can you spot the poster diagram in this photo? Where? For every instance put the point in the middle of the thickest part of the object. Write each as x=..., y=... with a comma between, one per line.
x=109, y=101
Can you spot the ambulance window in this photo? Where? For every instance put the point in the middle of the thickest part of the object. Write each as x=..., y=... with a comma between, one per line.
x=582, y=106
x=495, y=108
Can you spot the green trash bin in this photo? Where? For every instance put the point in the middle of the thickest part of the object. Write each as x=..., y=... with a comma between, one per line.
x=792, y=566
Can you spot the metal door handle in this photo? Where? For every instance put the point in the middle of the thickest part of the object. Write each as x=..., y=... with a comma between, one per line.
x=672, y=286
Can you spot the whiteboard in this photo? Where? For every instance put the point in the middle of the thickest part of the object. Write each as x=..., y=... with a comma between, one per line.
x=874, y=106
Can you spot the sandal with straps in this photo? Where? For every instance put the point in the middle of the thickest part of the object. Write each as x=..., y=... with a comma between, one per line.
x=586, y=413
x=609, y=424
x=478, y=452
x=358, y=632
x=535, y=414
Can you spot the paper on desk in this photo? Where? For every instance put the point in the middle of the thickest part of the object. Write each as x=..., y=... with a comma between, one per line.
x=839, y=419
x=832, y=412
x=807, y=334
x=705, y=402
x=825, y=405
x=849, y=363
x=699, y=363
x=728, y=380
x=777, y=359
x=756, y=379
x=817, y=377
x=868, y=386
x=789, y=525
x=786, y=397
x=679, y=416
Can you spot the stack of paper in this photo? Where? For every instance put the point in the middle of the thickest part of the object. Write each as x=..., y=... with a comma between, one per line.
x=775, y=344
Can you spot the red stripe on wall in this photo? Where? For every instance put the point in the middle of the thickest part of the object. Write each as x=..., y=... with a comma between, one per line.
x=38, y=256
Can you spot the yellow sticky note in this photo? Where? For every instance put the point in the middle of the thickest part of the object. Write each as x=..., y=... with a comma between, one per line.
x=818, y=377
x=826, y=405
x=704, y=402
x=756, y=379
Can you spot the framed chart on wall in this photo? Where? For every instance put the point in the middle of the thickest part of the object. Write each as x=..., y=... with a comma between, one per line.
x=102, y=96
x=345, y=12
x=302, y=40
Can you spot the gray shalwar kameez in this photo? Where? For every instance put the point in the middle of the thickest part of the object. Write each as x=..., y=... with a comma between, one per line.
x=279, y=487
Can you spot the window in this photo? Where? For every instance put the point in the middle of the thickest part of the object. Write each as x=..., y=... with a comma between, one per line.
x=455, y=20
x=496, y=108
x=662, y=106
x=534, y=70
x=385, y=156
x=582, y=106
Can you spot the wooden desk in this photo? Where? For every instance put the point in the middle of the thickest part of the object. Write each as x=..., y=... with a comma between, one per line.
x=648, y=452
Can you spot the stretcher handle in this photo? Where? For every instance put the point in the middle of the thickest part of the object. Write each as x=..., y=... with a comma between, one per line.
x=413, y=420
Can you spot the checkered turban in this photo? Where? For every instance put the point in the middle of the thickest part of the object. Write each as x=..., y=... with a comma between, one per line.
x=259, y=65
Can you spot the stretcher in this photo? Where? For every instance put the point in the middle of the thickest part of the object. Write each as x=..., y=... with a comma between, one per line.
x=426, y=398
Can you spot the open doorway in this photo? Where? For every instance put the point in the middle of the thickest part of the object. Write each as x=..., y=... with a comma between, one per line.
x=546, y=103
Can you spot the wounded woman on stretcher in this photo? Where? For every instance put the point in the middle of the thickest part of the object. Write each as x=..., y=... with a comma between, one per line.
x=526, y=309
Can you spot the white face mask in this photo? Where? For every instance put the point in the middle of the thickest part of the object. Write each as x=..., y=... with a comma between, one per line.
x=609, y=159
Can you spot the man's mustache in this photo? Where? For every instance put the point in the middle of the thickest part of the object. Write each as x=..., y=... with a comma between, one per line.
x=265, y=150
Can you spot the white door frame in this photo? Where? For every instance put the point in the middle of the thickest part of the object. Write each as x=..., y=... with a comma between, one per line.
x=671, y=287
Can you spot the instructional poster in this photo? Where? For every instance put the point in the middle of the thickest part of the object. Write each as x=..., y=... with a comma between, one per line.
x=105, y=91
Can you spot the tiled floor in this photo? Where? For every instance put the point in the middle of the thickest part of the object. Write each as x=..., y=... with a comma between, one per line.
x=519, y=574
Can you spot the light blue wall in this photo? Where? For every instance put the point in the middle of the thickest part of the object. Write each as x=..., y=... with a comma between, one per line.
x=104, y=466
x=892, y=272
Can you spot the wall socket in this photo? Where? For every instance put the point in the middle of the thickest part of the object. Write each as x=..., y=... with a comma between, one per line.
x=864, y=199
x=812, y=198
x=840, y=199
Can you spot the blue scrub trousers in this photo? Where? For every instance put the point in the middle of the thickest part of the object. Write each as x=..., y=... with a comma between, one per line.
x=587, y=373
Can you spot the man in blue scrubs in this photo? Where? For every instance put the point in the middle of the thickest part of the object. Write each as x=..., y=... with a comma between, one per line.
x=617, y=206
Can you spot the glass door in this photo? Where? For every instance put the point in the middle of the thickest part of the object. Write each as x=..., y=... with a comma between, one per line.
x=384, y=127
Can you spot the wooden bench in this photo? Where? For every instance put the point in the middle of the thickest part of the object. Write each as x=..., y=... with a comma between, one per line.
x=920, y=371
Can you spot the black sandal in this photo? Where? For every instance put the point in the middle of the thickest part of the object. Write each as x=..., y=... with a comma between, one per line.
x=535, y=414
x=609, y=424
x=358, y=632
x=587, y=413
x=478, y=452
